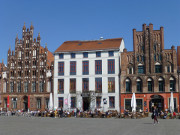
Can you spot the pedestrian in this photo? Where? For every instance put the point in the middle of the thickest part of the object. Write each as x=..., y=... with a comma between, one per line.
x=155, y=115
x=61, y=112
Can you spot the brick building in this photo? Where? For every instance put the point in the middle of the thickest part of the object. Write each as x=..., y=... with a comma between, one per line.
x=149, y=70
x=29, y=79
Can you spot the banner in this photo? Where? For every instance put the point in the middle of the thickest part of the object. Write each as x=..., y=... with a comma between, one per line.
x=66, y=101
x=28, y=101
x=8, y=101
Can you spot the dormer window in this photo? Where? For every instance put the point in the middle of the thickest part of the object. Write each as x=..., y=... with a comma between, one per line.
x=111, y=53
x=61, y=56
x=73, y=55
x=85, y=55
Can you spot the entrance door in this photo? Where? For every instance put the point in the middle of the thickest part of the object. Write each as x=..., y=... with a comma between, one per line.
x=158, y=101
x=25, y=102
x=85, y=103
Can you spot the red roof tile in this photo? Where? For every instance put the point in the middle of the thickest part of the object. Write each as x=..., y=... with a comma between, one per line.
x=50, y=56
x=69, y=46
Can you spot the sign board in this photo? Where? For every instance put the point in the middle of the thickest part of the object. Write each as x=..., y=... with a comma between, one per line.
x=104, y=100
x=85, y=94
x=66, y=101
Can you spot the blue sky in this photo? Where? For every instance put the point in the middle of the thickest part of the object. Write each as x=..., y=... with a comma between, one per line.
x=62, y=20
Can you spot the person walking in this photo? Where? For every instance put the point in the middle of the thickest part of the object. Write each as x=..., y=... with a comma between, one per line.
x=155, y=115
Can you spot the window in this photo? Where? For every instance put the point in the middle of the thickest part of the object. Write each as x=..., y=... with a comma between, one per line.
x=34, y=53
x=141, y=69
x=128, y=85
x=111, y=53
x=46, y=103
x=161, y=85
x=111, y=84
x=73, y=68
x=61, y=86
x=34, y=86
x=14, y=103
x=168, y=69
x=142, y=58
x=61, y=68
x=19, y=73
x=172, y=84
x=138, y=58
x=41, y=63
x=25, y=87
x=154, y=57
x=12, y=86
x=158, y=69
x=34, y=72
x=85, y=84
x=73, y=55
x=34, y=63
x=128, y=104
x=41, y=72
x=111, y=102
x=85, y=67
x=12, y=73
x=61, y=102
x=98, y=102
x=98, y=85
x=111, y=67
x=98, y=67
x=154, y=47
x=18, y=87
x=38, y=103
x=150, y=86
x=160, y=57
x=85, y=55
x=72, y=85
x=41, y=86
x=139, y=103
x=98, y=54
x=139, y=85
x=73, y=102
x=61, y=56
x=19, y=54
x=130, y=70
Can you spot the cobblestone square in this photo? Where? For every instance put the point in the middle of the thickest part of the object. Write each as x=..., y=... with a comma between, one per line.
x=82, y=126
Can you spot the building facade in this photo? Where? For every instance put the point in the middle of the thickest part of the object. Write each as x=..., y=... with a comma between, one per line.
x=86, y=74
x=150, y=71
x=29, y=79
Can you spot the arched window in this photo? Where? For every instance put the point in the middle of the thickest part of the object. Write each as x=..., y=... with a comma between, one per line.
x=158, y=68
x=169, y=68
x=128, y=85
x=140, y=68
x=172, y=84
x=139, y=85
x=150, y=85
x=130, y=69
x=161, y=84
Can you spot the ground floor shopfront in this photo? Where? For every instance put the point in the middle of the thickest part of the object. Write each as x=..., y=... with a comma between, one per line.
x=24, y=102
x=146, y=101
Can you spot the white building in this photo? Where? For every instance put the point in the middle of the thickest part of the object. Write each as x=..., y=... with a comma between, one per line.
x=86, y=74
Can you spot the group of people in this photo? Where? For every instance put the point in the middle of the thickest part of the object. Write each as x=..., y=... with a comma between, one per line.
x=162, y=114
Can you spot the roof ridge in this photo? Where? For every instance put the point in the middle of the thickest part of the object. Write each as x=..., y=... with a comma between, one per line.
x=93, y=40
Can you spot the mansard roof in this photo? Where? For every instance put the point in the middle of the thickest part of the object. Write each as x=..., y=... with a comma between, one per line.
x=102, y=44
